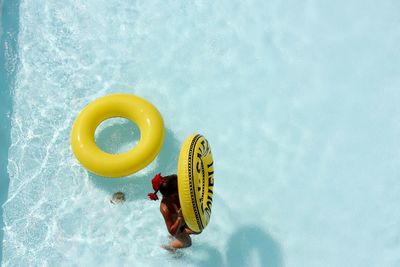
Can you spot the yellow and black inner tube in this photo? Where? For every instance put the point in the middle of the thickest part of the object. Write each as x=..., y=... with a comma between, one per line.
x=131, y=107
x=196, y=182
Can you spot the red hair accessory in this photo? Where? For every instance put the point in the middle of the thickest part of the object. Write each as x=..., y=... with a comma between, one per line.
x=156, y=183
x=153, y=196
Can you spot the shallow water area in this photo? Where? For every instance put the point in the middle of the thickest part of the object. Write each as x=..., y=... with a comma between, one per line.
x=299, y=101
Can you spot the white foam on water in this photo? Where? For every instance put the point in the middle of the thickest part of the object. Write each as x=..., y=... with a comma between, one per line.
x=299, y=101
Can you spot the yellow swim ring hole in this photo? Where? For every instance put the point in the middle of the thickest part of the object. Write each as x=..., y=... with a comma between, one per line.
x=131, y=107
x=196, y=182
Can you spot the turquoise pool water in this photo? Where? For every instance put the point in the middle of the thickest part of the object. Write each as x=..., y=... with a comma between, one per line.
x=299, y=101
x=8, y=63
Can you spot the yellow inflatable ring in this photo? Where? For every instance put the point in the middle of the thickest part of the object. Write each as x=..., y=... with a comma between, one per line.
x=131, y=107
x=196, y=182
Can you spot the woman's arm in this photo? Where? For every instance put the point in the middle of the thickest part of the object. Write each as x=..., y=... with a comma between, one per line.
x=190, y=232
x=172, y=226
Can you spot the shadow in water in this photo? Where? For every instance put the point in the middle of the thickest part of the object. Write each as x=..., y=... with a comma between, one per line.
x=246, y=241
x=248, y=238
x=120, y=135
x=117, y=137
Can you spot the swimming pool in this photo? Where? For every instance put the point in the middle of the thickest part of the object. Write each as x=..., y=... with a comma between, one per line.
x=299, y=101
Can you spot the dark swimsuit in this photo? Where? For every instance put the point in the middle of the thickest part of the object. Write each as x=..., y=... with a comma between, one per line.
x=183, y=227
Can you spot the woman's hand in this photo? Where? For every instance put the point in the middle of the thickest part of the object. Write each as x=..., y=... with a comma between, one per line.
x=179, y=212
x=190, y=232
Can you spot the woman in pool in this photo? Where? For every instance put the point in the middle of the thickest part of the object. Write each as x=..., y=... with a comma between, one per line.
x=170, y=208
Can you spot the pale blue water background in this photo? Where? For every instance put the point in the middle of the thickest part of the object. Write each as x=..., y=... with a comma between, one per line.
x=299, y=100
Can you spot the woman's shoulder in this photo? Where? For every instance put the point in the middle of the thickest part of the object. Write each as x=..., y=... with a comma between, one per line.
x=163, y=207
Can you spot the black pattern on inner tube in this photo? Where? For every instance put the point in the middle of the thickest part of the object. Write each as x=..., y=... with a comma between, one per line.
x=191, y=181
x=203, y=184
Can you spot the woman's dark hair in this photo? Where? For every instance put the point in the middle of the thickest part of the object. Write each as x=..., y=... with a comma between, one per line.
x=169, y=185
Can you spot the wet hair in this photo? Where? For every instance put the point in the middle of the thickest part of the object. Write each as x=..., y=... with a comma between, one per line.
x=169, y=185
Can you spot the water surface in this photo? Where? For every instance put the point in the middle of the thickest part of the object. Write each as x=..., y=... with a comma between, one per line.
x=299, y=101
